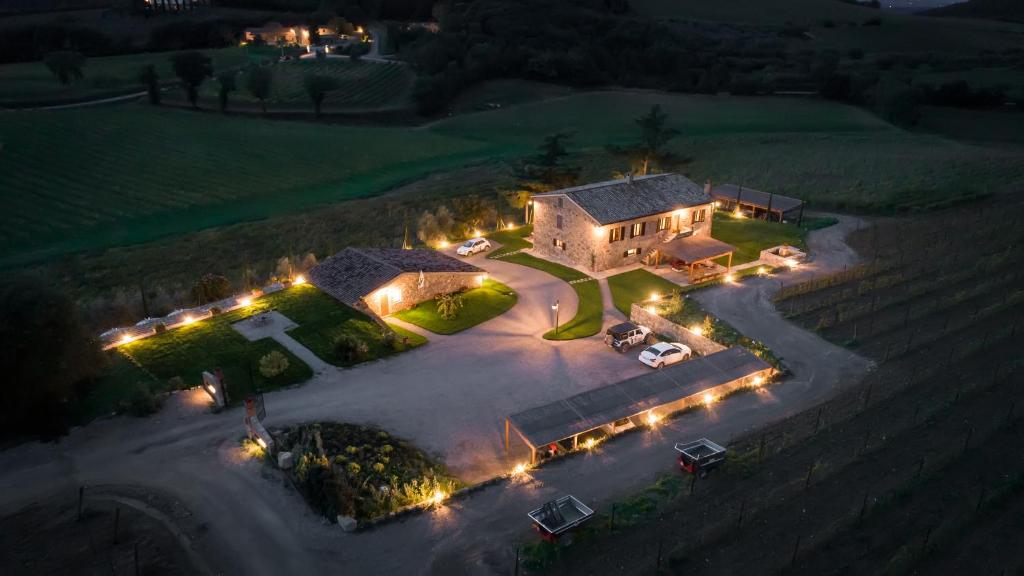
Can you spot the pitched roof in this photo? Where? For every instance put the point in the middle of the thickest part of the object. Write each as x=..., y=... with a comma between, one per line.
x=729, y=192
x=619, y=200
x=353, y=273
x=696, y=248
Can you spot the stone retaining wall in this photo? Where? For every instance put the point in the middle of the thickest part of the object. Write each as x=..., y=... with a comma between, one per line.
x=699, y=344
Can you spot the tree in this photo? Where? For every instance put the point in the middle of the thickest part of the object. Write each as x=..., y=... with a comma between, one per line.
x=210, y=288
x=47, y=357
x=151, y=80
x=317, y=87
x=273, y=364
x=192, y=68
x=66, y=65
x=547, y=170
x=226, y=85
x=258, y=82
x=654, y=135
x=448, y=305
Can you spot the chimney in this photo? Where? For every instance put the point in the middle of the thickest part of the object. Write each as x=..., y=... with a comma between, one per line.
x=707, y=187
x=629, y=177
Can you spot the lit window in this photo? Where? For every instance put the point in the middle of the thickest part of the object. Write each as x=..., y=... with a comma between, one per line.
x=616, y=234
x=631, y=252
x=699, y=215
x=558, y=243
x=663, y=223
x=638, y=229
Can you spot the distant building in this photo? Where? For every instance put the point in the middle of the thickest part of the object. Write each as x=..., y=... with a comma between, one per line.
x=275, y=33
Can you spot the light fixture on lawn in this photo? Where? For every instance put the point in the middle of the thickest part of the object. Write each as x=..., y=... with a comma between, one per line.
x=761, y=270
x=437, y=498
x=300, y=279
x=730, y=278
x=520, y=468
x=655, y=297
x=245, y=301
x=758, y=380
x=697, y=330
x=443, y=244
x=589, y=444
x=708, y=399
x=126, y=338
x=652, y=419
x=188, y=319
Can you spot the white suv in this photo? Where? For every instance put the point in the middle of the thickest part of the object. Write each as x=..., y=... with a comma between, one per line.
x=473, y=246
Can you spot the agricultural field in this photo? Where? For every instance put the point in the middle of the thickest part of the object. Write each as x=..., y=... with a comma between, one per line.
x=363, y=85
x=32, y=84
x=129, y=164
x=900, y=472
x=159, y=172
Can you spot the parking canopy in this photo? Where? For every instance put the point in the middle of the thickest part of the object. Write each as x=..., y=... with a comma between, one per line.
x=583, y=412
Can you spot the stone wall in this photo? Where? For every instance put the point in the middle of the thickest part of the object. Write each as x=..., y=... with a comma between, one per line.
x=699, y=344
x=581, y=241
x=780, y=256
x=407, y=285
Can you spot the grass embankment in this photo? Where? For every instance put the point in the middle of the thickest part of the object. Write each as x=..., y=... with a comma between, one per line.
x=158, y=362
x=360, y=471
x=32, y=83
x=638, y=285
x=478, y=306
x=589, y=311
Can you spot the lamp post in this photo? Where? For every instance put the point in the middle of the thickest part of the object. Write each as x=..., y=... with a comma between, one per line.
x=554, y=307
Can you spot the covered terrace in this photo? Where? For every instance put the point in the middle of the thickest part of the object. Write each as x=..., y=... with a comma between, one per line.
x=559, y=425
x=697, y=254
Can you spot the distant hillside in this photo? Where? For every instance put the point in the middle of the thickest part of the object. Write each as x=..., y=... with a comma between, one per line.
x=1012, y=10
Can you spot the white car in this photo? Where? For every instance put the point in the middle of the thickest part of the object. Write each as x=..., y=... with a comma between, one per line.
x=665, y=353
x=473, y=246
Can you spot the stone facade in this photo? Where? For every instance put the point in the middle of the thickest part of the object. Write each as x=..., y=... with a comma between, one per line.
x=583, y=242
x=405, y=292
x=699, y=344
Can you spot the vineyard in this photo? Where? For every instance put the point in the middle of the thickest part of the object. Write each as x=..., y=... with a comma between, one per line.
x=898, y=473
x=363, y=85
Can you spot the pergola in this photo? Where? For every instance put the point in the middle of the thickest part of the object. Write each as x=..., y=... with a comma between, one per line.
x=694, y=250
x=659, y=392
x=766, y=204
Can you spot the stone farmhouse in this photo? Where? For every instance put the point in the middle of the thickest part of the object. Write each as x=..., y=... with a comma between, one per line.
x=654, y=219
x=387, y=280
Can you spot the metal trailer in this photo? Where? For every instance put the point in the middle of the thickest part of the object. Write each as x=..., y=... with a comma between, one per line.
x=700, y=456
x=559, y=516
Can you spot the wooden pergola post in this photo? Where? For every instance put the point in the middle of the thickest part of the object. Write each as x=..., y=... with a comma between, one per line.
x=768, y=213
x=728, y=267
x=575, y=441
x=506, y=436
x=800, y=218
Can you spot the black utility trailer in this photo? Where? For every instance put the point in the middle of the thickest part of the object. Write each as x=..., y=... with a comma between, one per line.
x=700, y=456
x=559, y=516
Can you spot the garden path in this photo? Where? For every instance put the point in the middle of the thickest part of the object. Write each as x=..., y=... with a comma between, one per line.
x=275, y=325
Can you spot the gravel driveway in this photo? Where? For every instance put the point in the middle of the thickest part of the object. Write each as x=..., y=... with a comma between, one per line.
x=449, y=397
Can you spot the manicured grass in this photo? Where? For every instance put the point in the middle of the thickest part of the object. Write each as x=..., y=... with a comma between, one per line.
x=322, y=319
x=210, y=344
x=637, y=286
x=750, y=236
x=479, y=305
x=133, y=172
x=511, y=240
x=589, y=311
x=112, y=391
x=362, y=85
x=33, y=83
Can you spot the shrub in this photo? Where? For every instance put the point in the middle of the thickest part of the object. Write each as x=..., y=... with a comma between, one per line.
x=388, y=337
x=351, y=349
x=273, y=364
x=214, y=311
x=448, y=305
x=210, y=288
x=141, y=401
x=160, y=328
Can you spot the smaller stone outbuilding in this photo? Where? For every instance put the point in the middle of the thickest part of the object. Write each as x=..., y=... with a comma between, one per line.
x=387, y=280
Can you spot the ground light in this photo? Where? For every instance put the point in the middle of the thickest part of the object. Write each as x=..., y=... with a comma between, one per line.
x=652, y=419
x=437, y=499
x=758, y=380
x=761, y=271
x=655, y=297
x=730, y=278
x=589, y=444
x=443, y=244
x=792, y=263
x=245, y=301
x=300, y=279
x=519, y=469
x=738, y=214
x=510, y=226
x=708, y=399
x=188, y=320
x=696, y=330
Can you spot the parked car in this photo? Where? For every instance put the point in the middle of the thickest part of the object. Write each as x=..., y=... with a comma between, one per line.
x=624, y=336
x=473, y=246
x=665, y=353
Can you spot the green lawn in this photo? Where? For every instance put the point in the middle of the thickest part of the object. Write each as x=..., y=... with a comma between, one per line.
x=208, y=344
x=637, y=286
x=33, y=83
x=362, y=85
x=511, y=240
x=479, y=305
x=750, y=236
x=589, y=312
